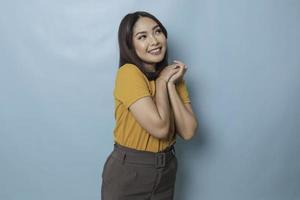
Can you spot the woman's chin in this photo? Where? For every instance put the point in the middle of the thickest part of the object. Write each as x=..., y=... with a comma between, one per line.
x=156, y=59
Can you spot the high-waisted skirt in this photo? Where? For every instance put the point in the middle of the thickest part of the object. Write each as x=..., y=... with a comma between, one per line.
x=130, y=174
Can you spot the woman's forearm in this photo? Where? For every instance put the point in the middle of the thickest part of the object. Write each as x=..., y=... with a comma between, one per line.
x=163, y=105
x=186, y=122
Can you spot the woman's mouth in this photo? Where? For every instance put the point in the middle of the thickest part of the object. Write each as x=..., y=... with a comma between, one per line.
x=155, y=51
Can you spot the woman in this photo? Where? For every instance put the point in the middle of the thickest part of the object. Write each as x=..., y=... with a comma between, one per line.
x=151, y=106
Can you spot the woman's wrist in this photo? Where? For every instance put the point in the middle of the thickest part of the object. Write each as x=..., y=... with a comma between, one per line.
x=161, y=79
x=170, y=84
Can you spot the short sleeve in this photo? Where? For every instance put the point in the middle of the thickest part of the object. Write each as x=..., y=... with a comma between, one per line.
x=130, y=85
x=183, y=91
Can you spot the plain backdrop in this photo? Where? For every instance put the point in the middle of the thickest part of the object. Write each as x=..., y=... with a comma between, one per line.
x=58, y=61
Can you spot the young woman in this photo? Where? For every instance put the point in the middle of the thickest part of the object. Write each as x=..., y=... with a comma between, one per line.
x=152, y=105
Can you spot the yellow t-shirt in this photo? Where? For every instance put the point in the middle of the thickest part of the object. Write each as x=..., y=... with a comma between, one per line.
x=130, y=85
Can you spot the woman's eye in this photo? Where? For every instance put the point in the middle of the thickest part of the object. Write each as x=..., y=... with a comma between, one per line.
x=158, y=31
x=142, y=37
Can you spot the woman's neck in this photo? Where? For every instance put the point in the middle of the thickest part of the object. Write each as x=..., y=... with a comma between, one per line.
x=149, y=67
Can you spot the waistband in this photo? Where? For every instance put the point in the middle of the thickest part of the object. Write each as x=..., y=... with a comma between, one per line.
x=129, y=155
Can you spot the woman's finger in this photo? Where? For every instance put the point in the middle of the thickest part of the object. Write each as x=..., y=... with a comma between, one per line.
x=182, y=68
x=179, y=62
x=173, y=66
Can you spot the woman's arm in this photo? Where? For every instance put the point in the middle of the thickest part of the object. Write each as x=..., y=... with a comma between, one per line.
x=154, y=114
x=154, y=117
x=185, y=120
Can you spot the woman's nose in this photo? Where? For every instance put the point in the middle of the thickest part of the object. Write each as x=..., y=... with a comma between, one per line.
x=153, y=40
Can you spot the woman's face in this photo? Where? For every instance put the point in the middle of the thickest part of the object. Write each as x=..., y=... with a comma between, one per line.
x=149, y=41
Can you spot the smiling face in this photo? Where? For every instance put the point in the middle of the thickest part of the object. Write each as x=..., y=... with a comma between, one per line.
x=149, y=42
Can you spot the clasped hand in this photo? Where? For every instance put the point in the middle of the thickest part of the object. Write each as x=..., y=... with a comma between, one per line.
x=173, y=73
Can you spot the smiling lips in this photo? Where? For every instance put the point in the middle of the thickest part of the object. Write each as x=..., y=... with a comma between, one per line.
x=155, y=51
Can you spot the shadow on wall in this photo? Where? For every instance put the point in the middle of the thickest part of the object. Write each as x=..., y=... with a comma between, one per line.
x=189, y=151
x=186, y=152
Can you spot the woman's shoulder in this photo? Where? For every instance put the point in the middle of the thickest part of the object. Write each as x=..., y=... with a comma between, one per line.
x=130, y=69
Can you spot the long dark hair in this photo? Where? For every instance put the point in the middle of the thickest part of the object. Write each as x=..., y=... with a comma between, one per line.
x=127, y=51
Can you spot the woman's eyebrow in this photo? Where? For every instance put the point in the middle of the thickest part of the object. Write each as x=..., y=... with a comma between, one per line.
x=154, y=27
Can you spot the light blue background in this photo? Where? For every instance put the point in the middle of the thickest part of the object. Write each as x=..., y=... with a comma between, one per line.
x=58, y=61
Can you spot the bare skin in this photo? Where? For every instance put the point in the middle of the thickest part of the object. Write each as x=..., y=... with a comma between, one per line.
x=166, y=112
x=154, y=114
x=185, y=119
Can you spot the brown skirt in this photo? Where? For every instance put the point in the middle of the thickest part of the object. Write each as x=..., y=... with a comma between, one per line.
x=130, y=174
